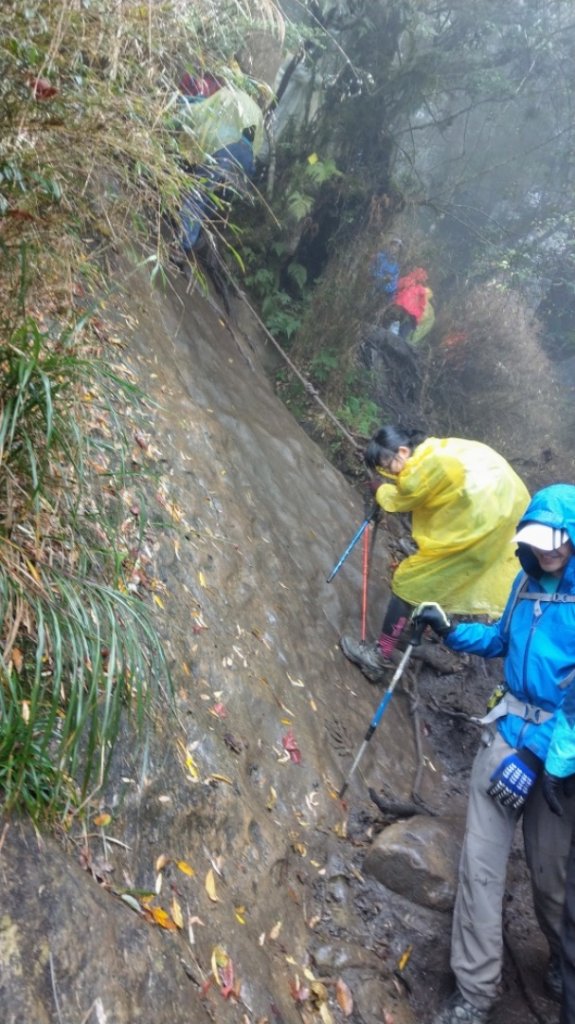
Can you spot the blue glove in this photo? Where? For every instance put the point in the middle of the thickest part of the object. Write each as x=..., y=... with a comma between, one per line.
x=513, y=778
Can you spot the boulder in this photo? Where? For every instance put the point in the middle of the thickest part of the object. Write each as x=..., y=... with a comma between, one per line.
x=418, y=858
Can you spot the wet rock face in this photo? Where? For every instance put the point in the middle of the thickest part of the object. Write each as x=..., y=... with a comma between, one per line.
x=240, y=779
x=418, y=859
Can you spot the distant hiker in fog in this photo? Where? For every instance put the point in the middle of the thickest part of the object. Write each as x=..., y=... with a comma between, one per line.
x=385, y=268
x=224, y=175
x=465, y=501
x=526, y=749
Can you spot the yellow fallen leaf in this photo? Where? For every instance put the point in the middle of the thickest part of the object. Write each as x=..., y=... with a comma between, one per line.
x=404, y=958
x=210, y=885
x=319, y=990
x=221, y=778
x=192, y=767
x=240, y=914
x=276, y=930
x=325, y=1014
x=185, y=868
x=177, y=915
x=219, y=959
x=272, y=799
x=161, y=862
x=158, y=600
x=286, y=721
x=202, y=579
x=162, y=918
x=102, y=819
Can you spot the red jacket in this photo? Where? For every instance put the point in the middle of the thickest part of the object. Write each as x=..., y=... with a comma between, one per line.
x=412, y=294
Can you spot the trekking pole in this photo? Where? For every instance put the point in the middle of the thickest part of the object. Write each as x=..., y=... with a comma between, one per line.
x=365, y=570
x=380, y=710
x=354, y=540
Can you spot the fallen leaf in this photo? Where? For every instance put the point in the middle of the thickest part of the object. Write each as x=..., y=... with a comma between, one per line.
x=162, y=918
x=176, y=912
x=289, y=743
x=220, y=959
x=272, y=799
x=131, y=902
x=325, y=1014
x=161, y=862
x=220, y=778
x=102, y=819
x=158, y=600
x=344, y=997
x=219, y=710
x=210, y=885
x=185, y=868
x=240, y=914
x=42, y=89
x=276, y=930
x=17, y=658
x=404, y=958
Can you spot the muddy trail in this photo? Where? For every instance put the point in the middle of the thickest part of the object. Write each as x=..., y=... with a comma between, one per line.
x=228, y=883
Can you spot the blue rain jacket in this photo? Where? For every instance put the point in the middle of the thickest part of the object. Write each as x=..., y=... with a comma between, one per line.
x=537, y=641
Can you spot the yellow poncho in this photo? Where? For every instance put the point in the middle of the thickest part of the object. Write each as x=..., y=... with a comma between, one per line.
x=465, y=501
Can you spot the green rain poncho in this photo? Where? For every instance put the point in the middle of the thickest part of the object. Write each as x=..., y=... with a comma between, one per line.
x=465, y=501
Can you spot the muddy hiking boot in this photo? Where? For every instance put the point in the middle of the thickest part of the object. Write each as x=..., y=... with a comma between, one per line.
x=459, y=1011
x=368, y=657
x=553, y=979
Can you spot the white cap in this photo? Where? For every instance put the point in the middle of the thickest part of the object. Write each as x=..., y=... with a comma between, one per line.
x=545, y=538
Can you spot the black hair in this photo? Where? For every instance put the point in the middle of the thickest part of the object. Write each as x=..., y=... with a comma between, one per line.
x=386, y=443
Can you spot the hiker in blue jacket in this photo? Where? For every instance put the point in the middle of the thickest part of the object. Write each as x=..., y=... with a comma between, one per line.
x=536, y=638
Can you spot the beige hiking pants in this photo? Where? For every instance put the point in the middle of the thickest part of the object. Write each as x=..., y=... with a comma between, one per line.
x=477, y=938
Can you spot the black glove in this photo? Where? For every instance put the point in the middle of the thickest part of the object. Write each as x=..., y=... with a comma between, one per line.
x=553, y=789
x=512, y=780
x=432, y=614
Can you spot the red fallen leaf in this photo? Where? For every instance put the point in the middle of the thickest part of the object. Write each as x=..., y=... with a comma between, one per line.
x=227, y=979
x=300, y=992
x=42, y=89
x=219, y=710
x=289, y=743
x=19, y=215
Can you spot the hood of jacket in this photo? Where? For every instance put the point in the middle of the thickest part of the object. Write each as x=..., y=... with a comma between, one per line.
x=552, y=506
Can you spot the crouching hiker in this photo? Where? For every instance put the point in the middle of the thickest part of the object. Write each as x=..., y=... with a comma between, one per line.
x=465, y=501
x=536, y=638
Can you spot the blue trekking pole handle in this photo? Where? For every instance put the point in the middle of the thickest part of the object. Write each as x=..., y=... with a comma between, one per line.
x=381, y=707
x=350, y=547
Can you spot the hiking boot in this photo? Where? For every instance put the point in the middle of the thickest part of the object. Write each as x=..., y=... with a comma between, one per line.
x=553, y=978
x=459, y=1011
x=367, y=656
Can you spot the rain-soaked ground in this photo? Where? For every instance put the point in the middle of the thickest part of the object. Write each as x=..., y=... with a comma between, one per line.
x=232, y=832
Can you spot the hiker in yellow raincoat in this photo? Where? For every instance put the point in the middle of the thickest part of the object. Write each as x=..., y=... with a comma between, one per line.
x=465, y=502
